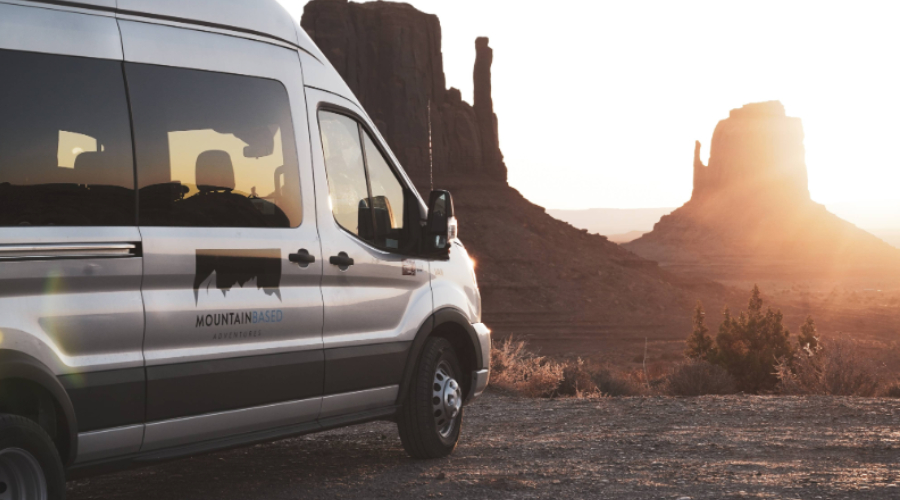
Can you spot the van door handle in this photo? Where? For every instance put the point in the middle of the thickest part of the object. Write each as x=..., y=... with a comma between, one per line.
x=302, y=257
x=342, y=260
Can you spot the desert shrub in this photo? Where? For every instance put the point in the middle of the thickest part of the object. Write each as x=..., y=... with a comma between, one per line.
x=699, y=344
x=695, y=377
x=893, y=390
x=747, y=346
x=837, y=367
x=610, y=382
x=514, y=368
x=577, y=380
x=808, y=338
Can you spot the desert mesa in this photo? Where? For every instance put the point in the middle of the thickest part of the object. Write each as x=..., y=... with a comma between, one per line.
x=751, y=215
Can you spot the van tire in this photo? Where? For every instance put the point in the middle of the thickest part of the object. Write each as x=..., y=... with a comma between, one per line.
x=417, y=422
x=27, y=450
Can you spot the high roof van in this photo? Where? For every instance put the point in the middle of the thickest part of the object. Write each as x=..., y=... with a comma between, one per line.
x=205, y=242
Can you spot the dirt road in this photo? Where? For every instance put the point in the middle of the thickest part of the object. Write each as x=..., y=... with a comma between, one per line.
x=712, y=447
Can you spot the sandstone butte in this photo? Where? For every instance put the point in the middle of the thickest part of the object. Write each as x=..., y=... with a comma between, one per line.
x=751, y=213
x=536, y=273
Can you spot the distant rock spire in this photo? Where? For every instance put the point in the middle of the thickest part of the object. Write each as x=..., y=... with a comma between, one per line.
x=699, y=173
x=492, y=158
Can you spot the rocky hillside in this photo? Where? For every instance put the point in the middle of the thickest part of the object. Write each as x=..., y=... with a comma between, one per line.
x=533, y=269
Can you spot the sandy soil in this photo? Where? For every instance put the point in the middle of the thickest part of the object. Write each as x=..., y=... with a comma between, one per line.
x=656, y=447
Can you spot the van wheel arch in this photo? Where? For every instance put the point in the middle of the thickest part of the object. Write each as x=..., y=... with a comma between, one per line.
x=453, y=326
x=29, y=389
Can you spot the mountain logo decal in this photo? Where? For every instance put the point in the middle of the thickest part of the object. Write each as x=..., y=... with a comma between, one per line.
x=229, y=268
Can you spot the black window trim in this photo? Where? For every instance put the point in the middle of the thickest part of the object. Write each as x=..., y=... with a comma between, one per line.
x=362, y=126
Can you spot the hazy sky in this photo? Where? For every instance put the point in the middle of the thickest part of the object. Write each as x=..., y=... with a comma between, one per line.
x=600, y=102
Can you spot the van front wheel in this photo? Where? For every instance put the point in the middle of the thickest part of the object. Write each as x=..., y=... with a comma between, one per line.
x=431, y=417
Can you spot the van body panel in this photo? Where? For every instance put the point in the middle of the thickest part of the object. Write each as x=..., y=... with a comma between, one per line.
x=352, y=402
x=218, y=343
x=107, y=443
x=384, y=297
x=374, y=308
x=86, y=4
x=171, y=433
x=59, y=32
x=454, y=286
x=260, y=16
x=320, y=74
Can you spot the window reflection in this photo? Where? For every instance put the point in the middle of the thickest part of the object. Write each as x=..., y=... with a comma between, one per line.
x=65, y=142
x=213, y=150
x=72, y=144
x=346, y=173
x=372, y=208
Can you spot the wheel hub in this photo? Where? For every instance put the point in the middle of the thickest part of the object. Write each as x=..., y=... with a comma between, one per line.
x=21, y=476
x=446, y=400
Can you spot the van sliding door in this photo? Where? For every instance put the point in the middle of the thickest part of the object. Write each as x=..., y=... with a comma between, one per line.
x=232, y=260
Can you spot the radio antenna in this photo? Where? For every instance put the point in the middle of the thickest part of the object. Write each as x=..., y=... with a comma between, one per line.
x=430, y=150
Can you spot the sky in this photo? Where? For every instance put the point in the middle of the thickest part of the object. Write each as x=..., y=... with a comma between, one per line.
x=599, y=102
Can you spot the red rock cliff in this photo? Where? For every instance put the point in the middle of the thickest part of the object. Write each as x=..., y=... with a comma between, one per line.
x=390, y=56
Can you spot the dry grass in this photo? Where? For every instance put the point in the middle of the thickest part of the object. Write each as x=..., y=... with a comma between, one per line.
x=516, y=369
x=837, y=367
x=699, y=378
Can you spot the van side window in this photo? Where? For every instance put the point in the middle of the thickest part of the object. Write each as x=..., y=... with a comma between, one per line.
x=367, y=198
x=65, y=142
x=388, y=198
x=213, y=149
x=346, y=172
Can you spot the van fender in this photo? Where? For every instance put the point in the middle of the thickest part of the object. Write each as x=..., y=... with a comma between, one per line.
x=17, y=365
x=440, y=318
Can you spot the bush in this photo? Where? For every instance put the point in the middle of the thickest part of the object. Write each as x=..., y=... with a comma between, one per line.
x=696, y=377
x=615, y=384
x=747, y=346
x=515, y=369
x=837, y=367
x=893, y=391
x=577, y=380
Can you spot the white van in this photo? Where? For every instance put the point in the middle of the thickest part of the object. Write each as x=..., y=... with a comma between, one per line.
x=206, y=243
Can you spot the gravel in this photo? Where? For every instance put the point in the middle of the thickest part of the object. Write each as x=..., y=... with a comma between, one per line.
x=646, y=447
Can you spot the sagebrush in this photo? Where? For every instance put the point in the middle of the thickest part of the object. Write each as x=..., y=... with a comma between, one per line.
x=696, y=377
x=834, y=367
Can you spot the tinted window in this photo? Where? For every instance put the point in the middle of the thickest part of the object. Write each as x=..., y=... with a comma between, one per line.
x=367, y=198
x=346, y=173
x=213, y=150
x=65, y=142
x=387, y=198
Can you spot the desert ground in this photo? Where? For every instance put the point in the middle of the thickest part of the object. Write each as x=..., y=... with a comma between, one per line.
x=517, y=448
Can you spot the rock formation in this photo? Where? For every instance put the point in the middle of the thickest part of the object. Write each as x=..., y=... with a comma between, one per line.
x=536, y=273
x=751, y=208
x=757, y=148
x=390, y=56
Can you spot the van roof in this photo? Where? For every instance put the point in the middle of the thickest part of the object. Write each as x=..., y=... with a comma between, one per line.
x=260, y=17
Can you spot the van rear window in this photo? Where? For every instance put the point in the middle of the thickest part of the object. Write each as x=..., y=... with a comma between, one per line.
x=65, y=142
x=213, y=149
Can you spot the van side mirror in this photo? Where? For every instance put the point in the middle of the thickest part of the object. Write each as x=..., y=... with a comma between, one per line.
x=441, y=227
